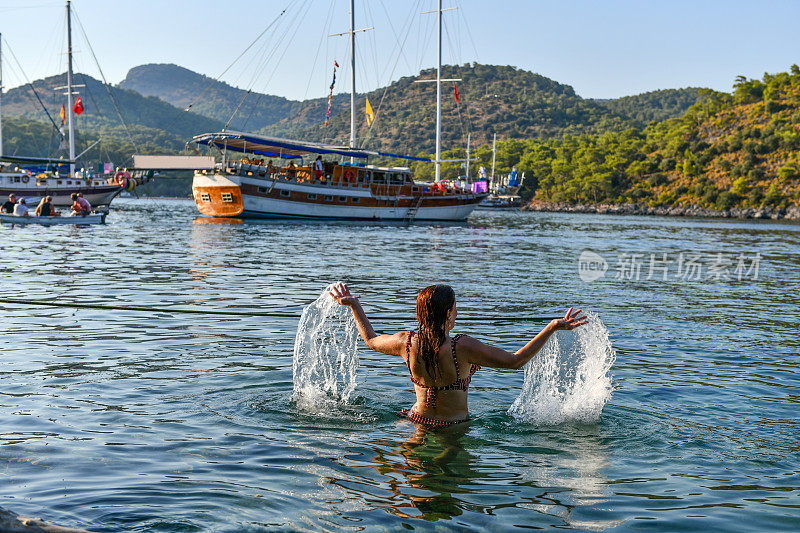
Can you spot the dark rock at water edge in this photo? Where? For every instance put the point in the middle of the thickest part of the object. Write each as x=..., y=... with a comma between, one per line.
x=11, y=522
x=790, y=213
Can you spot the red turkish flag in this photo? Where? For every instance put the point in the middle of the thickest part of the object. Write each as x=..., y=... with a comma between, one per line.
x=455, y=88
x=78, y=108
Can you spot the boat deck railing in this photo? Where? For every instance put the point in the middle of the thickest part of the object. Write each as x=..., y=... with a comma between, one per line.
x=305, y=175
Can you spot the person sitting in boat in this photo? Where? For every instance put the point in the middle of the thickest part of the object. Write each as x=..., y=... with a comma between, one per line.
x=80, y=205
x=20, y=209
x=318, y=167
x=270, y=168
x=441, y=365
x=291, y=170
x=8, y=205
x=45, y=208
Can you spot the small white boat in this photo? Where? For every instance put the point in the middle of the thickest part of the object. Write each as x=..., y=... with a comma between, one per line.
x=78, y=220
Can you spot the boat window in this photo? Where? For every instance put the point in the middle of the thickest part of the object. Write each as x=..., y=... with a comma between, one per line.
x=414, y=189
x=286, y=193
x=328, y=197
x=58, y=182
x=227, y=197
x=312, y=196
x=378, y=177
x=397, y=179
x=355, y=199
x=205, y=197
x=343, y=198
x=16, y=179
x=262, y=189
x=363, y=177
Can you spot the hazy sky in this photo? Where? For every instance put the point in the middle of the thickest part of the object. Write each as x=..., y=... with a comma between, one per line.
x=603, y=48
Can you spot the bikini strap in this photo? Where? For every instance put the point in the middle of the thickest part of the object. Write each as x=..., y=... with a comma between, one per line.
x=453, y=341
x=408, y=351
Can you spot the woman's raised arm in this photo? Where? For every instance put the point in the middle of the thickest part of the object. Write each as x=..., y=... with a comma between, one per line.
x=485, y=355
x=388, y=344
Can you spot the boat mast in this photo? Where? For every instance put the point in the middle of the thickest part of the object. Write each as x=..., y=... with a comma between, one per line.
x=71, y=125
x=352, y=33
x=468, y=143
x=439, y=93
x=494, y=153
x=352, y=77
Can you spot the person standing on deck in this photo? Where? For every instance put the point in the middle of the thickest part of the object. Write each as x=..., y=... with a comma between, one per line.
x=318, y=167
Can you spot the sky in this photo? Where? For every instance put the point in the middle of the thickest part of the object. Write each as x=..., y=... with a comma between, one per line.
x=602, y=48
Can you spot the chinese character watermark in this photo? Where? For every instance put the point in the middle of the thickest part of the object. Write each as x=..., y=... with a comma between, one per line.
x=661, y=266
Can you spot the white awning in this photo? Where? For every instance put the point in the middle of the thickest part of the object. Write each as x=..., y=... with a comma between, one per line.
x=173, y=162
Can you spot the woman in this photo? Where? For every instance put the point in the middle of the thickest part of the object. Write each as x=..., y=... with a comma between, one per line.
x=45, y=208
x=442, y=366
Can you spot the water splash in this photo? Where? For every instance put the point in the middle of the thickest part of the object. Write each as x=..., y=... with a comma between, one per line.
x=325, y=355
x=568, y=380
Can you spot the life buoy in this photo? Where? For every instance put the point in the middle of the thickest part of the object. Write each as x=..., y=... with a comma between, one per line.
x=350, y=176
x=130, y=185
x=25, y=179
x=122, y=178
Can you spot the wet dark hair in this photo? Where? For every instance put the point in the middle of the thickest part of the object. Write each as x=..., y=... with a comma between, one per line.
x=73, y=195
x=433, y=304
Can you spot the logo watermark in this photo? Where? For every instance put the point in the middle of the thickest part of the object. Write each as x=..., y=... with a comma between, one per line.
x=662, y=266
x=591, y=266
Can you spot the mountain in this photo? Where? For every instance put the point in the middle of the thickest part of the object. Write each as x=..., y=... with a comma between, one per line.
x=654, y=105
x=99, y=112
x=182, y=87
x=738, y=149
x=494, y=99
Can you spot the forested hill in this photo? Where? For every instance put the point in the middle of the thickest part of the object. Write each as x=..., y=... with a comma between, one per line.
x=505, y=100
x=738, y=149
x=182, y=87
x=156, y=126
x=654, y=105
x=99, y=112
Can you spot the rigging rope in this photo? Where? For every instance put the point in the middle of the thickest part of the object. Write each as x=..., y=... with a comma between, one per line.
x=105, y=83
x=274, y=314
x=299, y=16
x=29, y=84
x=275, y=20
x=322, y=38
x=414, y=9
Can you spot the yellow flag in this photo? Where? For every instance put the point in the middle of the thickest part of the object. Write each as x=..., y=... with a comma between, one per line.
x=370, y=114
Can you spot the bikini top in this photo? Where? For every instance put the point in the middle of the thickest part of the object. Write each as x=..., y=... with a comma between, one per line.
x=458, y=384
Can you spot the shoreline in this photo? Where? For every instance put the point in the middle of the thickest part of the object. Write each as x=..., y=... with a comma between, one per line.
x=762, y=213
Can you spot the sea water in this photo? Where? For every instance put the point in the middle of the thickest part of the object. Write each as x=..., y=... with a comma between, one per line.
x=325, y=362
x=128, y=421
x=569, y=379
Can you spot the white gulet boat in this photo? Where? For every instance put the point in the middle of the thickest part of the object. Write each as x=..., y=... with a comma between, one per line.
x=51, y=177
x=249, y=188
x=252, y=187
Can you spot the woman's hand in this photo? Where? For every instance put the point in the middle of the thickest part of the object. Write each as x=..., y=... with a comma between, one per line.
x=341, y=294
x=570, y=321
